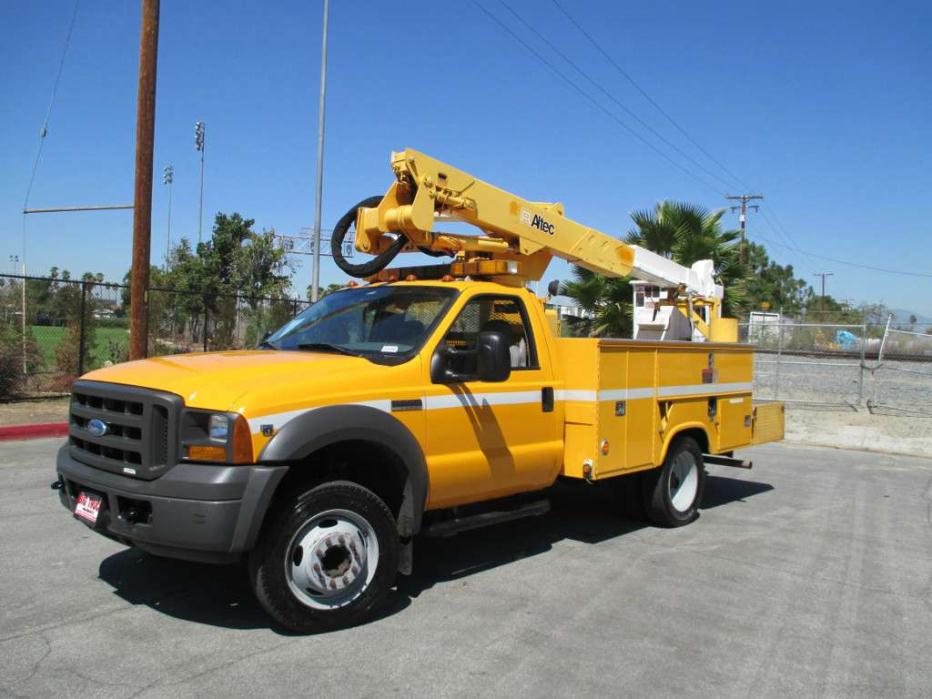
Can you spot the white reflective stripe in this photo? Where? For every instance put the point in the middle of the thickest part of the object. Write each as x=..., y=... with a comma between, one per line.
x=607, y=394
x=626, y=393
x=572, y=394
x=476, y=400
x=278, y=420
x=691, y=390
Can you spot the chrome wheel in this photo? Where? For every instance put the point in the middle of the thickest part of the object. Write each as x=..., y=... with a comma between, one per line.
x=684, y=481
x=331, y=559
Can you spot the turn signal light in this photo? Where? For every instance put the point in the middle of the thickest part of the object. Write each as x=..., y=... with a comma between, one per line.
x=203, y=453
x=242, y=441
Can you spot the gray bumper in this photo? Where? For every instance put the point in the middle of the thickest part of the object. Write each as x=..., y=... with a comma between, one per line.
x=194, y=511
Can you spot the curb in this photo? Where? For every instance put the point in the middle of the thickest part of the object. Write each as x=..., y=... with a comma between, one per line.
x=33, y=431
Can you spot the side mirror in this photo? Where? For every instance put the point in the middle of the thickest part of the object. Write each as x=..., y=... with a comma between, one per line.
x=493, y=356
x=553, y=288
x=489, y=361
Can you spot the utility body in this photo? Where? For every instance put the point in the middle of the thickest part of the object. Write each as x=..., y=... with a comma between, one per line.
x=421, y=403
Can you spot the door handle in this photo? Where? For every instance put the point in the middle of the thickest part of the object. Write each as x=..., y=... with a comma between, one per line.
x=546, y=399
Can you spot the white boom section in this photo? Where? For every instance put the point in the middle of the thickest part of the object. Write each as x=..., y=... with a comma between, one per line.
x=698, y=280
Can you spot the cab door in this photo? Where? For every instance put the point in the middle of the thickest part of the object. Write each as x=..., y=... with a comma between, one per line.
x=491, y=439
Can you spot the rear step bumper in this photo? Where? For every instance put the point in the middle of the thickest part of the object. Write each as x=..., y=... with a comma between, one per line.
x=723, y=460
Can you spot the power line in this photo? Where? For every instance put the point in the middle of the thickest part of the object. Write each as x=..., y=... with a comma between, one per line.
x=776, y=224
x=849, y=263
x=646, y=96
x=43, y=132
x=592, y=100
x=608, y=94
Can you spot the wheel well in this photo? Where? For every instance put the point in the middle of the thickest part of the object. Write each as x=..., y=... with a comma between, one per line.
x=697, y=433
x=369, y=464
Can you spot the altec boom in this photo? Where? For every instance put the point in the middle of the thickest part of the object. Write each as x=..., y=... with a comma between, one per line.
x=427, y=193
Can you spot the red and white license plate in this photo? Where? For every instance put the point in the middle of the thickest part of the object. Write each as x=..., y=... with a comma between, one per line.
x=88, y=507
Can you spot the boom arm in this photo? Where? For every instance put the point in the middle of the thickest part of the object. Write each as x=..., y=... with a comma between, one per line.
x=527, y=233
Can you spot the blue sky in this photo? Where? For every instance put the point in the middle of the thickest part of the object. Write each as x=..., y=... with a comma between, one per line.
x=824, y=107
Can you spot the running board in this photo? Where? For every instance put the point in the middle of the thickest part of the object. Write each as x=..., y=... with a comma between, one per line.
x=726, y=461
x=449, y=527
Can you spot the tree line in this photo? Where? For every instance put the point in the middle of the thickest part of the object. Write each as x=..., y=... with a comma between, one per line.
x=687, y=233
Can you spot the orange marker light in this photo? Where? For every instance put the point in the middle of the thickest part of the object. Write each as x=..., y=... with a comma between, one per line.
x=196, y=453
x=603, y=447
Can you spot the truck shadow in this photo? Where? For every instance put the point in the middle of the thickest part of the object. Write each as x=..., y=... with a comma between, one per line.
x=220, y=595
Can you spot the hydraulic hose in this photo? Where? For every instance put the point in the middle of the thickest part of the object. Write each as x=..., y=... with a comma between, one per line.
x=373, y=266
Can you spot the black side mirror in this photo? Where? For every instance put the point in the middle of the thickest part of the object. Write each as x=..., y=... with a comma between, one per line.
x=489, y=361
x=553, y=288
x=493, y=356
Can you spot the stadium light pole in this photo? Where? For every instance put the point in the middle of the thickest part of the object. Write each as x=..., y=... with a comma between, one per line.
x=315, y=267
x=199, y=133
x=168, y=177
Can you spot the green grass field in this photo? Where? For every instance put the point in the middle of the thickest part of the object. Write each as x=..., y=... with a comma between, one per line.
x=48, y=338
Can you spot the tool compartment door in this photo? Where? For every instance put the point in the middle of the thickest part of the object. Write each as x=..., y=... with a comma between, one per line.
x=768, y=423
x=734, y=422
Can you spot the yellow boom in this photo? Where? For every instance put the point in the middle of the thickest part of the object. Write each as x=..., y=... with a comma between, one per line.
x=518, y=238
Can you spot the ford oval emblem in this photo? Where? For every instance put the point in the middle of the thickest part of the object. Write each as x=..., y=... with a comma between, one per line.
x=97, y=427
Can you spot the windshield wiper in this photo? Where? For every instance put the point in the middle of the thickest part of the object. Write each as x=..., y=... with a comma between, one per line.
x=326, y=347
x=265, y=344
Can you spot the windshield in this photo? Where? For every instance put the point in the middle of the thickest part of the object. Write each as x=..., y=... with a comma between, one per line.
x=378, y=322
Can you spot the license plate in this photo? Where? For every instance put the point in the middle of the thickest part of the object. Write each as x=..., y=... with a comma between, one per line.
x=88, y=507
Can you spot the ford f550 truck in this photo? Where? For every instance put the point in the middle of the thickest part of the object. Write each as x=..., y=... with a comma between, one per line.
x=430, y=400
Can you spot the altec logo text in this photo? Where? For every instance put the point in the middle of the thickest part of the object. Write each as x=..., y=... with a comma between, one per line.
x=537, y=221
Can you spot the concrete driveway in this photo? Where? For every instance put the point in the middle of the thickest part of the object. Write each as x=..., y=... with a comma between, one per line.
x=810, y=575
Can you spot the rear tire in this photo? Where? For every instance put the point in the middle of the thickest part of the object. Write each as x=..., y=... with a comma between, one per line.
x=673, y=492
x=327, y=559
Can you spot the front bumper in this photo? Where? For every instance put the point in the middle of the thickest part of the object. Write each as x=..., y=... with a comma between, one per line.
x=193, y=511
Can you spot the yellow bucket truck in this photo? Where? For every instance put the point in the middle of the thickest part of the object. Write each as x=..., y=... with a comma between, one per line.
x=428, y=400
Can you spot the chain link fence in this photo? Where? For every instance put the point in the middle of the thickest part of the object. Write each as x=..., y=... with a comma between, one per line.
x=53, y=330
x=898, y=386
x=815, y=363
x=824, y=364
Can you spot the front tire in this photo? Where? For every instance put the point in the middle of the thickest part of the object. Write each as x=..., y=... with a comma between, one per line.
x=327, y=559
x=673, y=492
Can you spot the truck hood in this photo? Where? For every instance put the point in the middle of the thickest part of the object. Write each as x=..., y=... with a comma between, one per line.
x=217, y=380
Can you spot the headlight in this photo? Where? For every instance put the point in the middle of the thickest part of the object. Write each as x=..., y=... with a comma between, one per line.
x=218, y=427
x=215, y=437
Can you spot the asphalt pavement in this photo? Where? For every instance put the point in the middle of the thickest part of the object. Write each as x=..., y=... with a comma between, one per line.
x=810, y=575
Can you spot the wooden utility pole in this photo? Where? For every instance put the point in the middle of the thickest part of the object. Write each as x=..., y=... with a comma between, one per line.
x=822, y=297
x=743, y=218
x=142, y=196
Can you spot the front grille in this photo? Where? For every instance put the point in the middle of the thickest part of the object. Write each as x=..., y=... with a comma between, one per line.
x=142, y=428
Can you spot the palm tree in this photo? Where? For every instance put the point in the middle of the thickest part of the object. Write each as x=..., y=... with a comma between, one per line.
x=683, y=232
x=687, y=233
x=605, y=300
